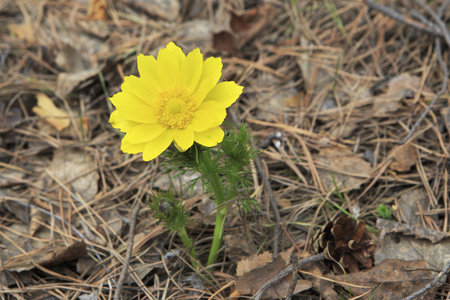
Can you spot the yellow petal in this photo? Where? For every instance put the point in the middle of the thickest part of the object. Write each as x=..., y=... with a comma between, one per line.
x=175, y=50
x=168, y=68
x=120, y=123
x=208, y=114
x=225, y=93
x=184, y=138
x=156, y=146
x=143, y=133
x=147, y=70
x=210, y=137
x=212, y=69
x=132, y=148
x=203, y=89
x=191, y=70
x=141, y=89
x=132, y=108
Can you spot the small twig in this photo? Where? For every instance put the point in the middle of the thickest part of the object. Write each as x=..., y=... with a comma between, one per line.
x=435, y=30
x=286, y=271
x=444, y=7
x=439, y=94
x=126, y=262
x=424, y=20
x=273, y=203
x=431, y=284
x=436, y=18
x=294, y=279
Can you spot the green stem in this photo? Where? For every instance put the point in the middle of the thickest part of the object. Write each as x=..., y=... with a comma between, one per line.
x=211, y=171
x=189, y=245
x=218, y=235
x=216, y=184
x=220, y=219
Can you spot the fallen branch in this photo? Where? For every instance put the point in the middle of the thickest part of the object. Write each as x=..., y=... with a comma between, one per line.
x=286, y=271
x=431, y=284
x=126, y=262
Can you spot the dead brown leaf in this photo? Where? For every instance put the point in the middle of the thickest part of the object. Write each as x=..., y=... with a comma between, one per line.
x=392, y=279
x=408, y=248
x=48, y=256
x=244, y=26
x=97, y=10
x=164, y=9
x=23, y=31
x=324, y=287
x=349, y=169
x=51, y=114
x=404, y=157
x=22, y=251
x=240, y=246
x=419, y=232
x=410, y=202
x=224, y=41
x=253, y=281
x=398, y=88
x=77, y=168
x=66, y=82
x=254, y=261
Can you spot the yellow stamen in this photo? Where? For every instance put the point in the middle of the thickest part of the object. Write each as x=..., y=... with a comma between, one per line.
x=176, y=108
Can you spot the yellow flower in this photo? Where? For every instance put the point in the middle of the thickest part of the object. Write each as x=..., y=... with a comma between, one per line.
x=176, y=98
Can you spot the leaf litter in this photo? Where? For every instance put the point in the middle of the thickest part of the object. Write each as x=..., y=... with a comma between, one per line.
x=338, y=88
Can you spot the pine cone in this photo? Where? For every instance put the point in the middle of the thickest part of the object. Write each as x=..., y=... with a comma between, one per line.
x=345, y=243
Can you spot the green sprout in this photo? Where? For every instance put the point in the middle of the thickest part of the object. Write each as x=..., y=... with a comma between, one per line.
x=384, y=211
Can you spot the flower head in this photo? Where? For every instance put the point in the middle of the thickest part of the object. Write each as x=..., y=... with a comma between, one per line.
x=176, y=98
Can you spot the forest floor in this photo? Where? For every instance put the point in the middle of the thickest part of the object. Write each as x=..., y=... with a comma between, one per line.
x=332, y=93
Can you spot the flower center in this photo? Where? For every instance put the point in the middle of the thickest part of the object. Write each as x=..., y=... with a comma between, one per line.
x=176, y=108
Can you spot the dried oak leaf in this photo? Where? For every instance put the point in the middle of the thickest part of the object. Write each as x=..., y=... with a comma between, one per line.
x=397, y=88
x=251, y=282
x=419, y=232
x=240, y=246
x=23, y=31
x=47, y=256
x=51, y=114
x=244, y=27
x=403, y=158
x=346, y=244
x=342, y=167
x=97, y=10
x=321, y=285
x=252, y=262
x=391, y=279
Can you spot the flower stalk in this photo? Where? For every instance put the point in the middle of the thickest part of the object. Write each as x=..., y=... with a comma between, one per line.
x=189, y=245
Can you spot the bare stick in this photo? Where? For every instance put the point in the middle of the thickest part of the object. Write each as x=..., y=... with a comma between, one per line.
x=286, y=271
x=294, y=262
x=126, y=262
x=273, y=203
x=439, y=94
x=434, y=30
x=436, y=18
x=431, y=284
